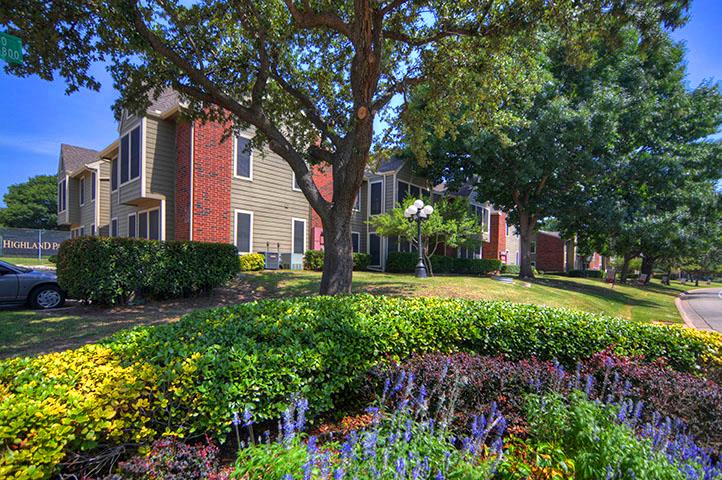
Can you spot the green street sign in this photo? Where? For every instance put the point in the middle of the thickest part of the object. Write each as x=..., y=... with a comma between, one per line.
x=11, y=48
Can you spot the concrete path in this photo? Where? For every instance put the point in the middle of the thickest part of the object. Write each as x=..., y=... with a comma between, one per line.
x=702, y=308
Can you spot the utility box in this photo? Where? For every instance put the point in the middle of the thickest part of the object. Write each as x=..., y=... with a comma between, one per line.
x=271, y=260
x=292, y=261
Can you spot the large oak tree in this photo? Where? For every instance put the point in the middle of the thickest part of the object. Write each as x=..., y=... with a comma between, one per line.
x=309, y=75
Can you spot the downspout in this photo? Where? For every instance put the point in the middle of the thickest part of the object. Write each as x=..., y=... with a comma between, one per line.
x=190, y=220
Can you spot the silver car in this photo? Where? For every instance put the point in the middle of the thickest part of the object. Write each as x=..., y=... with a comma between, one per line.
x=24, y=286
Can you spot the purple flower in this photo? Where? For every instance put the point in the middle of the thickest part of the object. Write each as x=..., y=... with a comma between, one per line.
x=247, y=417
x=588, y=387
x=236, y=419
x=338, y=474
x=400, y=466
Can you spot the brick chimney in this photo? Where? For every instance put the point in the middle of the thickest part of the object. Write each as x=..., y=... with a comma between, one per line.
x=495, y=248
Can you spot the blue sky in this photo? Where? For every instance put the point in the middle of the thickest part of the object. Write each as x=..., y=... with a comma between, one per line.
x=36, y=116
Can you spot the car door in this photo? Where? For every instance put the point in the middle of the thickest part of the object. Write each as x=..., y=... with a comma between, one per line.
x=9, y=285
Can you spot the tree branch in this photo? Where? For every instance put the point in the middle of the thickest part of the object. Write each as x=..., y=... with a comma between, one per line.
x=307, y=18
x=397, y=87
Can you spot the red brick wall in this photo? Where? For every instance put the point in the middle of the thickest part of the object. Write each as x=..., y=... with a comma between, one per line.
x=182, y=181
x=549, y=253
x=323, y=178
x=497, y=237
x=596, y=262
x=212, y=174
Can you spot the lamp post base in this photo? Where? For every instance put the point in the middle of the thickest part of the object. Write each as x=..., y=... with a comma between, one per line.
x=421, y=270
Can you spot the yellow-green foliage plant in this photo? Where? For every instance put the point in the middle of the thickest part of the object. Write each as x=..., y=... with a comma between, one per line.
x=76, y=400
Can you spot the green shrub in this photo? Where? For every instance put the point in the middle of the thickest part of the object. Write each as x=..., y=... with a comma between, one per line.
x=184, y=378
x=252, y=262
x=476, y=266
x=313, y=260
x=110, y=270
x=405, y=262
x=510, y=269
x=401, y=262
x=53, y=259
x=441, y=264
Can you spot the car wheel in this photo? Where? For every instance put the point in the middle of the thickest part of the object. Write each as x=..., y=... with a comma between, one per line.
x=46, y=297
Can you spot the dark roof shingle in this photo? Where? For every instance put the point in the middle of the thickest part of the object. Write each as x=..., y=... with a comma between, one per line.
x=168, y=99
x=75, y=157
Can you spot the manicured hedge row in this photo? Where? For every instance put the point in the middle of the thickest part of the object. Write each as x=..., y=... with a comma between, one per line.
x=586, y=273
x=510, y=269
x=110, y=270
x=405, y=262
x=251, y=262
x=189, y=376
x=313, y=260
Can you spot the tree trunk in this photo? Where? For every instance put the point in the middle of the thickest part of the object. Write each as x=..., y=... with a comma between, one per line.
x=526, y=230
x=625, y=268
x=337, y=256
x=647, y=267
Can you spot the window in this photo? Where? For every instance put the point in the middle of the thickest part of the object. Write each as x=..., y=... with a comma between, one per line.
x=402, y=191
x=130, y=155
x=425, y=193
x=375, y=249
x=483, y=214
x=298, y=232
x=357, y=203
x=532, y=247
x=242, y=158
x=92, y=229
x=392, y=244
x=154, y=224
x=375, y=202
x=295, y=186
x=356, y=241
x=414, y=191
x=114, y=175
x=93, y=179
x=82, y=191
x=82, y=231
x=143, y=225
x=506, y=221
x=62, y=191
x=244, y=231
x=114, y=227
x=132, y=220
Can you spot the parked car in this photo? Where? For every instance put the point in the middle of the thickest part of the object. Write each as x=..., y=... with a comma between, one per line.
x=38, y=289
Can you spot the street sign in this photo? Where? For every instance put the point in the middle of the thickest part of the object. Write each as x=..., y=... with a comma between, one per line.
x=11, y=48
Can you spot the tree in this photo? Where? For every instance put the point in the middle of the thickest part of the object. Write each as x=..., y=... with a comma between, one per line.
x=32, y=204
x=452, y=224
x=310, y=76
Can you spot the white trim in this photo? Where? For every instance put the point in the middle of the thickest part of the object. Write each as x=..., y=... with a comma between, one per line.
x=359, y=241
x=82, y=230
x=127, y=230
x=63, y=195
x=293, y=234
x=161, y=229
x=532, y=247
x=81, y=191
x=358, y=198
x=235, y=229
x=235, y=158
x=117, y=228
x=190, y=219
x=141, y=173
x=294, y=182
x=369, y=214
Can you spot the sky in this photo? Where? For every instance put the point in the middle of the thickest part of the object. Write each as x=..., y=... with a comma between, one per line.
x=36, y=116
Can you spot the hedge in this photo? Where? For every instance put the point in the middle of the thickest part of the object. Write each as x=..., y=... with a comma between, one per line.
x=251, y=262
x=586, y=273
x=405, y=262
x=313, y=260
x=110, y=270
x=510, y=269
x=187, y=377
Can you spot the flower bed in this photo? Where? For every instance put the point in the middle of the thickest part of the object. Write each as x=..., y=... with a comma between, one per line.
x=184, y=378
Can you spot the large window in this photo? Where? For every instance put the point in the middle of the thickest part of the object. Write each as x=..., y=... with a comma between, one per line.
x=62, y=191
x=130, y=155
x=356, y=241
x=82, y=191
x=299, y=235
x=244, y=231
x=532, y=247
x=375, y=250
x=114, y=175
x=114, y=227
x=243, y=158
x=93, y=180
x=154, y=225
x=402, y=191
x=376, y=196
x=132, y=221
x=483, y=214
x=143, y=225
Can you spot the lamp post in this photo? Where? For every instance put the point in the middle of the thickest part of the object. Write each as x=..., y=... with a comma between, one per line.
x=418, y=212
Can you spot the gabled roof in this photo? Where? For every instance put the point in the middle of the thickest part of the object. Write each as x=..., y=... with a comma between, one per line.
x=166, y=101
x=73, y=157
x=391, y=165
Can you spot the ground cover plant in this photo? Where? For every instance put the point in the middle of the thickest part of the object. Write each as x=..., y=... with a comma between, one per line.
x=184, y=378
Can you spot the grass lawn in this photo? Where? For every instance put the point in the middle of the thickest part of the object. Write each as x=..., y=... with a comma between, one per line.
x=28, y=262
x=29, y=332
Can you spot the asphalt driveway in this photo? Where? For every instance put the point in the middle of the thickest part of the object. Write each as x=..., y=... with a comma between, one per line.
x=703, y=308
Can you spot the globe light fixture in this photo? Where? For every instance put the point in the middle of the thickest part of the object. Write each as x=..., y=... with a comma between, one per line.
x=418, y=212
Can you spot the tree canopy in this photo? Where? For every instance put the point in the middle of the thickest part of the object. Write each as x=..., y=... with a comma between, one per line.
x=312, y=75
x=31, y=204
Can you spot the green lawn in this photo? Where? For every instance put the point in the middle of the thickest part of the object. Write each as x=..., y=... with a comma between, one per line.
x=28, y=262
x=30, y=332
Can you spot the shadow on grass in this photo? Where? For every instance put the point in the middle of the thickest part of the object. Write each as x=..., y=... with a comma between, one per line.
x=602, y=290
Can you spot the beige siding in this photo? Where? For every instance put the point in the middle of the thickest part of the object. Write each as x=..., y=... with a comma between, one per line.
x=73, y=202
x=160, y=163
x=358, y=219
x=273, y=201
x=104, y=195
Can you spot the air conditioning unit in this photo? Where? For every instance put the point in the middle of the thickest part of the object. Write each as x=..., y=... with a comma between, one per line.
x=271, y=260
x=293, y=261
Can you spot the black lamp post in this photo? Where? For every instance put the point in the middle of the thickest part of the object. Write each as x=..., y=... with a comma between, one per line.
x=418, y=212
